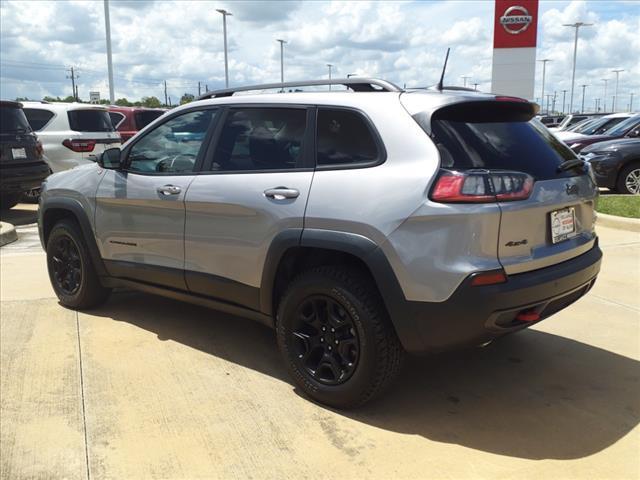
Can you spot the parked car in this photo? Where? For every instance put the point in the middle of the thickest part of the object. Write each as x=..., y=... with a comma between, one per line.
x=616, y=164
x=551, y=120
x=628, y=128
x=72, y=134
x=22, y=167
x=359, y=225
x=593, y=126
x=569, y=121
x=129, y=120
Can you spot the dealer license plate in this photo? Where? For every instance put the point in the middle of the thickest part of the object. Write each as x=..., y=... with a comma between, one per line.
x=563, y=224
x=18, y=153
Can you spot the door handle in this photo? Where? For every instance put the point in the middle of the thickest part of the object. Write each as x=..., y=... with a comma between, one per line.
x=169, y=190
x=281, y=193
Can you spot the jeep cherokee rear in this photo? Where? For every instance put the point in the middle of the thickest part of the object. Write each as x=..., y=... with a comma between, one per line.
x=359, y=225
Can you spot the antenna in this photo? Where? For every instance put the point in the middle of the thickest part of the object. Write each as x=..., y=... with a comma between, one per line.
x=444, y=68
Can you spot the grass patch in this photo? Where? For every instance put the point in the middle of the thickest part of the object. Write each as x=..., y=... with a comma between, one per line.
x=621, y=205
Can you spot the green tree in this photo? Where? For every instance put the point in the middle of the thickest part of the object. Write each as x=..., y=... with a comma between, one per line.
x=51, y=99
x=151, y=102
x=69, y=99
x=22, y=99
x=186, y=98
x=123, y=102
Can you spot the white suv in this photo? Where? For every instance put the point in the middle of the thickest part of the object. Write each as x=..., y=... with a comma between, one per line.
x=72, y=134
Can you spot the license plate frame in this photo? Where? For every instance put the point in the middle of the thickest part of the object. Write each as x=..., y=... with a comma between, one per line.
x=562, y=224
x=19, y=153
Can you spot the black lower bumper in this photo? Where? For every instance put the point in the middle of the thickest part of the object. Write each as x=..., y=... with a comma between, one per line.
x=474, y=315
x=21, y=179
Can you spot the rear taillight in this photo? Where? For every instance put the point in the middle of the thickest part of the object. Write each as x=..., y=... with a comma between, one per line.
x=481, y=187
x=39, y=149
x=80, y=145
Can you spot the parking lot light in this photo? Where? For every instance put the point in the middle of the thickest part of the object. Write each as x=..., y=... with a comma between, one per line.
x=225, y=14
x=577, y=26
x=615, y=98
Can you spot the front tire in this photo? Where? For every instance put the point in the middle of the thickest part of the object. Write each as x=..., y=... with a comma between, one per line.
x=336, y=338
x=71, y=271
x=629, y=179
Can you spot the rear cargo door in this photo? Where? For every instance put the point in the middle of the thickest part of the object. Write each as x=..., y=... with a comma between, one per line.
x=94, y=127
x=556, y=222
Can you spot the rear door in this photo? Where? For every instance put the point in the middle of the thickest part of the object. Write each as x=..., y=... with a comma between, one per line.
x=556, y=222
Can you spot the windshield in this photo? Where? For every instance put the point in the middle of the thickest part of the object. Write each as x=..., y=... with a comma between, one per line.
x=625, y=126
x=90, y=121
x=601, y=125
x=12, y=120
x=578, y=127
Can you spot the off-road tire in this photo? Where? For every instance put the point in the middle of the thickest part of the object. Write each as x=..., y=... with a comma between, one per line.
x=90, y=292
x=380, y=352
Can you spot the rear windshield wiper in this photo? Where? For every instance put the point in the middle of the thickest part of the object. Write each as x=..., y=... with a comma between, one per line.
x=569, y=164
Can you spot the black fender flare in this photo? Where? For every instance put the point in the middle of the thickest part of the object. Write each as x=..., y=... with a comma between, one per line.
x=74, y=207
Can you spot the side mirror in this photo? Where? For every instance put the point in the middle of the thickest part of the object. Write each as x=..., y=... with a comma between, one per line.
x=110, y=159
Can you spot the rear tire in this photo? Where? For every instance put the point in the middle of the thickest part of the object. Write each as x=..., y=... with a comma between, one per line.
x=336, y=338
x=629, y=179
x=71, y=271
x=9, y=200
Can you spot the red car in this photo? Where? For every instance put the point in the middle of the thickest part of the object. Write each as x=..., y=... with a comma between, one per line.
x=129, y=120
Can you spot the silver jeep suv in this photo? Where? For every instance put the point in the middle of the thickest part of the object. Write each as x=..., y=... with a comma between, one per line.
x=359, y=224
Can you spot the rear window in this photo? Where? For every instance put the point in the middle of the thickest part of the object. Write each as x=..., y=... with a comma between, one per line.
x=12, y=120
x=145, y=118
x=116, y=118
x=38, y=117
x=90, y=121
x=498, y=141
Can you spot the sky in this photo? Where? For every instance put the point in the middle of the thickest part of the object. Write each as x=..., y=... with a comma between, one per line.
x=181, y=42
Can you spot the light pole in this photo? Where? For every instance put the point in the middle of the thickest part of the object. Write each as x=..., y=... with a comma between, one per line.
x=631, y=102
x=107, y=26
x=349, y=75
x=282, y=42
x=475, y=87
x=225, y=14
x=577, y=26
x=553, y=104
x=548, y=101
x=544, y=71
x=564, y=94
x=464, y=78
x=605, y=80
x=583, y=89
x=615, y=99
x=329, y=65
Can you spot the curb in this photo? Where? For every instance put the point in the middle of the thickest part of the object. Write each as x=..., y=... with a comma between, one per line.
x=7, y=233
x=622, y=223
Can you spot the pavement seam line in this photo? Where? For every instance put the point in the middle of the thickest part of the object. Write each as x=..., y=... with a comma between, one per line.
x=624, y=305
x=84, y=416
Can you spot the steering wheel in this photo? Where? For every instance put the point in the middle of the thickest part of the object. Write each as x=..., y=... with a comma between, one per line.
x=178, y=163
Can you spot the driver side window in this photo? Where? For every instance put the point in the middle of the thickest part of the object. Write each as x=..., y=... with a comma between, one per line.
x=172, y=147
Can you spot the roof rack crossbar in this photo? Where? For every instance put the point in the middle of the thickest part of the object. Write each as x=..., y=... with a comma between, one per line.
x=355, y=84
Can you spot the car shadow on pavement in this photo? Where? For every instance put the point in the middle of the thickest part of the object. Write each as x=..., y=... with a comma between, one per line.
x=532, y=395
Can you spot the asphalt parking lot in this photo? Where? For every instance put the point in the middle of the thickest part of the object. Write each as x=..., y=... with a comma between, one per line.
x=146, y=387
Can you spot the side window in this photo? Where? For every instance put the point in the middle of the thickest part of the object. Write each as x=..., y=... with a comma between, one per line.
x=173, y=146
x=261, y=139
x=116, y=118
x=344, y=139
x=37, y=117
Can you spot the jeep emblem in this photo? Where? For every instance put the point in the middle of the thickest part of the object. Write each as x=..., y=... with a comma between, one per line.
x=572, y=189
x=516, y=19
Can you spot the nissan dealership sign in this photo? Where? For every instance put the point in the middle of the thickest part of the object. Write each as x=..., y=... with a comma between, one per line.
x=516, y=19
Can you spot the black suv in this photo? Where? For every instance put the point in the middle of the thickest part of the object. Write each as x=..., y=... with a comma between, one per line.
x=22, y=166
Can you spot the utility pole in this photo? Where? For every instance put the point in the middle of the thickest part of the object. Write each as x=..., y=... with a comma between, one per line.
x=544, y=71
x=615, y=98
x=199, y=89
x=225, y=14
x=564, y=94
x=583, y=89
x=605, y=80
x=577, y=26
x=548, y=101
x=107, y=26
x=464, y=78
x=76, y=94
x=282, y=42
x=166, y=100
x=206, y=88
x=73, y=75
x=595, y=101
x=553, y=105
x=330, y=66
x=631, y=102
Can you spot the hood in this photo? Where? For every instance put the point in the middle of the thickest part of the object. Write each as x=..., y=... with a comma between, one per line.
x=613, y=145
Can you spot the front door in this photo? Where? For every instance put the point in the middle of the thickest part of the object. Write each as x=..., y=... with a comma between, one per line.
x=255, y=188
x=140, y=210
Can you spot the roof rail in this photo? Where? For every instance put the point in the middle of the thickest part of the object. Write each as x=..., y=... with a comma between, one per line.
x=355, y=84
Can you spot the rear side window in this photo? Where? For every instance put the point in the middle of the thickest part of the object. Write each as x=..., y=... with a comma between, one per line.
x=116, y=118
x=145, y=118
x=345, y=138
x=38, y=117
x=504, y=142
x=12, y=120
x=261, y=139
x=90, y=121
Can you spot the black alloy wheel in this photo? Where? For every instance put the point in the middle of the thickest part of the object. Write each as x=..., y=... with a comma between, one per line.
x=67, y=265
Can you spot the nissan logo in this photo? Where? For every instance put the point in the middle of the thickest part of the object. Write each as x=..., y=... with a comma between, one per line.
x=516, y=19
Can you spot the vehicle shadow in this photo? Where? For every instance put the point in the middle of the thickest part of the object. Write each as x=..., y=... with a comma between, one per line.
x=533, y=395
x=21, y=214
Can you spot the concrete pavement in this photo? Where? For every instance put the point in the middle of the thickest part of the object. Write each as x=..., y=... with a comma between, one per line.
x=146, y=387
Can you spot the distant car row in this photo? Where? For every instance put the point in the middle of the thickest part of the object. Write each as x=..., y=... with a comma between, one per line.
x=40, y=137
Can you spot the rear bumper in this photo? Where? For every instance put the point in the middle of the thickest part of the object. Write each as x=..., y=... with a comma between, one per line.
x=475, y=315
x=17, y=179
